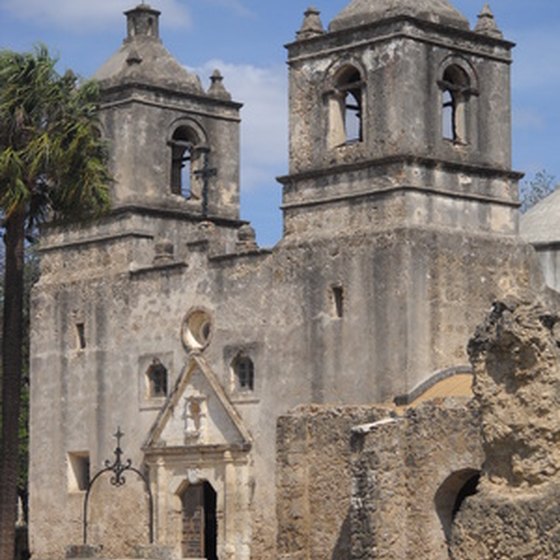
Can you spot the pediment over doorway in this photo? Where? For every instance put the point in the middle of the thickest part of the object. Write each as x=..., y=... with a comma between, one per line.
x=198, y=415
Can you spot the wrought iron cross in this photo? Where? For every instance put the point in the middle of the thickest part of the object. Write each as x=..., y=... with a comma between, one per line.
x=205, y=173
x=116, y=468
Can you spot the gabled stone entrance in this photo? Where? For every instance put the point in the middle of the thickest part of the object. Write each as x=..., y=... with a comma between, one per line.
x=198, y=452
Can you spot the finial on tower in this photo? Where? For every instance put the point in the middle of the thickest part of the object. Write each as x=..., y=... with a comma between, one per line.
x=217, y=88
x=142, y=22
x=312, y=24
x=487, y=24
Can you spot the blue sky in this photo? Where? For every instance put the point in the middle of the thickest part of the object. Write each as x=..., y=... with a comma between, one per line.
x=245, y=38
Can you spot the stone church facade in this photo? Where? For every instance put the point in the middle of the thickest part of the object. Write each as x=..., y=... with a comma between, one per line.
x=167, y=320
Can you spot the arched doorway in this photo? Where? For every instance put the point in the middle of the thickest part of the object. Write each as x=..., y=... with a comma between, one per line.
x=199, y=527
x=452, y=493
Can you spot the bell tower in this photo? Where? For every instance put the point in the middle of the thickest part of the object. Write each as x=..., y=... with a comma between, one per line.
x=174, y=146
x=401, y=110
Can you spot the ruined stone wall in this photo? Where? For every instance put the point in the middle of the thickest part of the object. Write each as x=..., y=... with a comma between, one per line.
x=414, y=474
x=314, y=480
x=516, y=361
x=372, y=483
x=407, y=477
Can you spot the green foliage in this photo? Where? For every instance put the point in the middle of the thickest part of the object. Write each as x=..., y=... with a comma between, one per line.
x=533, y=191
x=52, y=167
x=52, y=160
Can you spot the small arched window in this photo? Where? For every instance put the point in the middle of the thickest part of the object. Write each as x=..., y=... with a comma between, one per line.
x=456, y=89
x=183, y=157
x=244, y=373
x=157, y=379
x=346, y=108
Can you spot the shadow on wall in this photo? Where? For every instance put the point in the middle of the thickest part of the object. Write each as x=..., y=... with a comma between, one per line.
x=22, y=545
x=343, y=543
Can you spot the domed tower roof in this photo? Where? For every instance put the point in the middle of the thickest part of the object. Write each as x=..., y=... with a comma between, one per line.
x=362, y=12
x=143, y=59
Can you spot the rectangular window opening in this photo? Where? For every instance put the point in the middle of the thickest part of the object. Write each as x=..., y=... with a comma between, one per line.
x=81, y=336
x=338, y=301
x=78, y=471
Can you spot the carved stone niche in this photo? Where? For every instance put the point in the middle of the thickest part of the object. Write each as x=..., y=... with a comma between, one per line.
x=194, y=416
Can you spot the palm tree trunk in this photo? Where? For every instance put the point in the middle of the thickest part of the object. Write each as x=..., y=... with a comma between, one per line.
x=12, y=341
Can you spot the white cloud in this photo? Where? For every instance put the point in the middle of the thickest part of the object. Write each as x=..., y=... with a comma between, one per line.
x=264, y=126
x=91, y=13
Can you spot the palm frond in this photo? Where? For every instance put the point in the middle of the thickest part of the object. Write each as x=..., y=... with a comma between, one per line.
x=51, y=157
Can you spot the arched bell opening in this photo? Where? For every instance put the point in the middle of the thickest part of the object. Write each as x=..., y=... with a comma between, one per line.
x=456, y=91
x=346, y=107
x=185, y=155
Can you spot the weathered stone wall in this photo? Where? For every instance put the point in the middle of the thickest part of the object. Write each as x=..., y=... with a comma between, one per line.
x=365, y=298
x=118, y=516
x=314, y=480
x=516, y=360
x=370, y=483
x=410, y=298
x=401, y=62
x=407, y=477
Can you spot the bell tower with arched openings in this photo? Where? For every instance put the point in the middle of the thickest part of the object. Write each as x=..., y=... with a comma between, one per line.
x=400, y=114
x=174, y=145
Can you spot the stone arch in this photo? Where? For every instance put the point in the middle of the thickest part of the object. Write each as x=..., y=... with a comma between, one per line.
x=187, y=141
x=197, y=500
x=455, y=381
x=450, y=495
x=346, y=103
x=458, y=82
x=465, y=66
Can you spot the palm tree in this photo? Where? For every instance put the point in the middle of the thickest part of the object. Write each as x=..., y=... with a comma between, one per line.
x=52, y=166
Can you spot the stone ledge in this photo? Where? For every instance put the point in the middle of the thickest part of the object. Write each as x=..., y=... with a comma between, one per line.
x=141, y=552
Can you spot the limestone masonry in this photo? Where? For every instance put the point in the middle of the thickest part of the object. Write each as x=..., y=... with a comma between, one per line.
x=312, y=401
